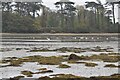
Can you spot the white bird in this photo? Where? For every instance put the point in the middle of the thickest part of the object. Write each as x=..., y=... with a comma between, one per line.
x=92, y=37
x=75, y=38
x=48, y=38
x=107, y=38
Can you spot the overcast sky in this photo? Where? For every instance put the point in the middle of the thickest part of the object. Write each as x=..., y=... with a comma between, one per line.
x=50, y=3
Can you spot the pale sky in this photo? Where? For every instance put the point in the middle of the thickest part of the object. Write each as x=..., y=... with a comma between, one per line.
x=50, y=3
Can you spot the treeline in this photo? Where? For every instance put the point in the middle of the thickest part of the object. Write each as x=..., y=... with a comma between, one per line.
x=29, y=17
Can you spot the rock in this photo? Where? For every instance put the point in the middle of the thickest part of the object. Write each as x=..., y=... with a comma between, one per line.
x=73, y=57
x=18, y=48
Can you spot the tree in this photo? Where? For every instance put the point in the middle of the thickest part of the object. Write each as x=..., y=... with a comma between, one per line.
x=100, y=13
x=93, y=14
x=67, y=11
x=6, y=6
x=113, y=8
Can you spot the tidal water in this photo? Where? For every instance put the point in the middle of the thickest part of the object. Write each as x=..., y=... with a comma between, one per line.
x=9, y=46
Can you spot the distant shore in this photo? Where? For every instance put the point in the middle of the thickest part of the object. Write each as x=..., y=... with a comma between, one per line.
x=67, y=37
x=64, y=34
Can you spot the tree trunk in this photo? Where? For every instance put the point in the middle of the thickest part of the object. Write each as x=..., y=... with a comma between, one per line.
x=113, y=13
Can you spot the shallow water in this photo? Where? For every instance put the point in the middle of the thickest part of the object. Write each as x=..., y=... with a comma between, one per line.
x=76, y=69
x=58, y=44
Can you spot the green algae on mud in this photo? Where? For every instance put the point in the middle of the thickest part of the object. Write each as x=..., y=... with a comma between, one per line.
x=90, y=64
x=53, y=60
x=40, y=50
x=27, y=73
x=87, y=64
x=99, y=49
x=30, y=74
x=101, y=57
x=75, y=62
x=112, y=66
x=70, y=77
x=65, y=76
x=63, y=66
x=17, y=78
x=73, y=49
x=44, y=71
x=63, y=49
x=56, y=60
x=117, y=54
x=73, y=77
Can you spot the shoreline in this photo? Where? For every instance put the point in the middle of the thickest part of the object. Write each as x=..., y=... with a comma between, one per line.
x=64, y=34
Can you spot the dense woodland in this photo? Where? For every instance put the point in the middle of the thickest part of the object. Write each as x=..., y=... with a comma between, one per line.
x=34, y=17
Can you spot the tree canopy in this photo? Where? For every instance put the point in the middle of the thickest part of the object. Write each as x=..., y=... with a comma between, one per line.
x=34, y=17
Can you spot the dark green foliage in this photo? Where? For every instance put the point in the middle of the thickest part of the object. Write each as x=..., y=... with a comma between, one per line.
x=16, y=23
x=25, y=18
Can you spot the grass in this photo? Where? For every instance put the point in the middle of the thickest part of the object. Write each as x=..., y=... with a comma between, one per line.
x=63, y=66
